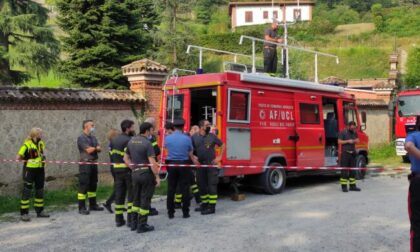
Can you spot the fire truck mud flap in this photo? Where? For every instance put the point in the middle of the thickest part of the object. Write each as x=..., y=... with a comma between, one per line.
x=273, y=181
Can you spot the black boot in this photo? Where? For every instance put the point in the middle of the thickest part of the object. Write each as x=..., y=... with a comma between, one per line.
x=129, y=215
x=40, y=213
x=344, y=188
x=119, y=220
x=82, y=208
x=134, y=221
x=211, y=209
x=153, y=211
x=197, y=198
x=93, y=206
x=108, y=207
x=355, y=188
x=143, y=226
x=202, y=207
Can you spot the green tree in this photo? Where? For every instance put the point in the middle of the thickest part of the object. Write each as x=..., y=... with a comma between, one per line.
x=413, y=68
x=102, y=36
x=378, y=17
x=26, y=41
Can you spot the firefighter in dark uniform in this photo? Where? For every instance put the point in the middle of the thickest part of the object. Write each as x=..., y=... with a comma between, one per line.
x=204, y=147
x=180, y=151
x=122, y=173
x=348, y=139
x=88, y=173
x=32, y=151
x=412, y=146
x=156, y=148
x=270, y=50
x=144, y=178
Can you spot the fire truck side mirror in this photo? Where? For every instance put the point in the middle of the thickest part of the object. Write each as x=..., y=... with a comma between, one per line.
x=364, y=117
x=391, y=108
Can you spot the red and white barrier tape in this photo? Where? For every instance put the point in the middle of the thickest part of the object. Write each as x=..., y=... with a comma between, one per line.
x=289, y=168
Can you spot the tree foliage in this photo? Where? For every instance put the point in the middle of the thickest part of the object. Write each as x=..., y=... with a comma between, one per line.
x=413, y=68
x=102, y=36
x=26, y=41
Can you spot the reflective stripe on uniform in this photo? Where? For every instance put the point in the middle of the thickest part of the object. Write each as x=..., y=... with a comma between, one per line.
x=91, y=194
x=33, y=162
x=129, y=207
x=38, y=202
x=352, y=181
x=194, y=188
x=213, y=199
x=118, y=152
x=343, y=181
x=118, y=166
x=204, y=198
x=135, y=209
x=178, y=198
x=81, y=196
x=143, y=211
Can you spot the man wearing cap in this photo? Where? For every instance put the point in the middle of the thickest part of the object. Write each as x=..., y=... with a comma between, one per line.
x=270, y=50
x=412, y=146
x=180, y=151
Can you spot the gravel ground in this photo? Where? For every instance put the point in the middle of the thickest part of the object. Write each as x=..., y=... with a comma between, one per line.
x=310, y=215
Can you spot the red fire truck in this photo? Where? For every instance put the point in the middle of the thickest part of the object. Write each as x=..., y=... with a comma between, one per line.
x=266, y=121
x=406, y=107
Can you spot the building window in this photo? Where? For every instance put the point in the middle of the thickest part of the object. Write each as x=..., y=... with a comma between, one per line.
x=248, y=17
x=265, y=14
x=239, y=106
x=275, y=14
x=297, y=14
x=309, y=113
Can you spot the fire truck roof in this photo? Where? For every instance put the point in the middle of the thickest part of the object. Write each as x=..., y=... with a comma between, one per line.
x=211, y=79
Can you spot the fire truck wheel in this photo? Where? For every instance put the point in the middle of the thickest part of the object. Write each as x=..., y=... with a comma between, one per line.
x=273, y=181
x=361, y=162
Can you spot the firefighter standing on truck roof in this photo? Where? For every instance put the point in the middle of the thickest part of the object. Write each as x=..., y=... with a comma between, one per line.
x=270, y=50
x=348, y=139
x=122, y=173
x=32, y=151
x=180, y=151
x=138, y=156
x=153, y=141
x=88, y=173
x=204, y=147
x=412, y=146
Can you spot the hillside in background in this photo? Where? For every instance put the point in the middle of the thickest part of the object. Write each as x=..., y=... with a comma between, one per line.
x=361, y=35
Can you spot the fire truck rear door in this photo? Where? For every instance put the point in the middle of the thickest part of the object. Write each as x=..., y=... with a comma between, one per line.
x=310, y=135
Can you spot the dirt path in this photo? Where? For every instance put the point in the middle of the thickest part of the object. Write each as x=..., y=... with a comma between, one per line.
x=311, y=215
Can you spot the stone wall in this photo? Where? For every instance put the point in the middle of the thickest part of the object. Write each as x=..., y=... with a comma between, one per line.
x=378, y=125
x=61, y=128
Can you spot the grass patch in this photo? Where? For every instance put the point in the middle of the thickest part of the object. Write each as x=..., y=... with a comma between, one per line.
x=59, y=199
x=384, y=154
x=354, y=29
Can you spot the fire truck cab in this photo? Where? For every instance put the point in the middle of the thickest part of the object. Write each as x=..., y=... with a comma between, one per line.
x=406, y=107
x=266, y=121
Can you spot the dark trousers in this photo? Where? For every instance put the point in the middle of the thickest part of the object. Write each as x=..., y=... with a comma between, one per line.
x=111, y=198
x=88, y=182
x=414, y=212
x=193, y=186
x=32, y=177
x=123, y=188
x=143, y=182
x=178, y=176
x=207, y=181
x=270, y=60
x=348, y=176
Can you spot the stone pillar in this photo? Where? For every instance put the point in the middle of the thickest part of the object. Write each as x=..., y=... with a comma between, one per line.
x=393, y=74
x=146, y=77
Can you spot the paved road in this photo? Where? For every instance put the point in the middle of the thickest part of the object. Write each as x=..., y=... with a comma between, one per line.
x=311, y=215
